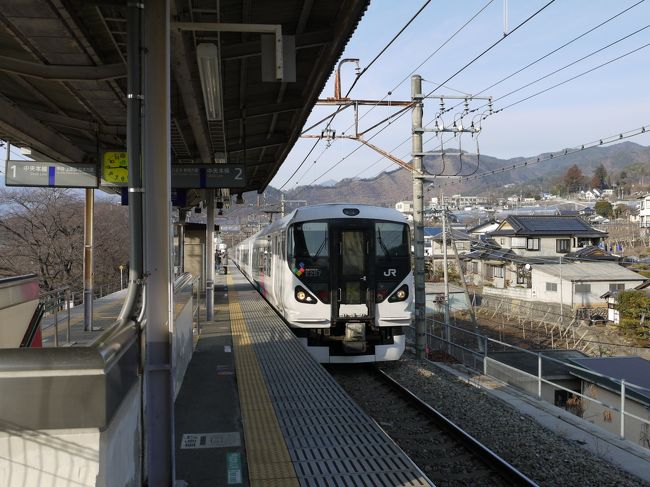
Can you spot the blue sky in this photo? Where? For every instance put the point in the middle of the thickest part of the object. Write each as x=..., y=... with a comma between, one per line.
x=610, y=100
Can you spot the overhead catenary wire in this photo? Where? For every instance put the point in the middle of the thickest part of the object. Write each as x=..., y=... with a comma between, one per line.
x=554, y=155
x=433, y=53
x=550, y=53
x=387, y=46
x=485, y=51
x=573, y=78
x=566, y=66
x=331, y=117
x=341, y=108
x=492, y=46
x=601, y=24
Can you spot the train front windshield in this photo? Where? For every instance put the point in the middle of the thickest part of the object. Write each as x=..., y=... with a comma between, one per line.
x=359, y=255
x=309, y=256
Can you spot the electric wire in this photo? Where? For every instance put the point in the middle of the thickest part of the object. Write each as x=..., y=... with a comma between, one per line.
x=300, y=165
x=494, y=44
x=401, y=82
x=554, y=86
x=331, y=117
x=554, y=155
x=435, y=51
x=510, y=75
x=387, y=46
x=555, y=50
x=593, y=53
x=573, y=78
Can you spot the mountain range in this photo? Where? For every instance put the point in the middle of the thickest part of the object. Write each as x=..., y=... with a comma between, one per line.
x=390, y=187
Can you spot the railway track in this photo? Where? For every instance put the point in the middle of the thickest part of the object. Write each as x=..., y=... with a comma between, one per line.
x=446, y=454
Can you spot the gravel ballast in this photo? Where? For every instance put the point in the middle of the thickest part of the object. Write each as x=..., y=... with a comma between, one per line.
x=543, y=455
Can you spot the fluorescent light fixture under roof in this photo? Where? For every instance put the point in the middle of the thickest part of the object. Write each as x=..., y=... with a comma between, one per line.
x=207, y=57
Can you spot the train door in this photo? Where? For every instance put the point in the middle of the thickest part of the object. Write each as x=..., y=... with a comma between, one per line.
x=352, y=276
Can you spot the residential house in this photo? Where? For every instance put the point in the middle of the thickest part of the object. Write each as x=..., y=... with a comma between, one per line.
x=602, y=380
x=483, y=228
x=611, y=296
x=546, y=235
x=580, y=284
x=644, y=212
x=460, y=201
x=405, y=207
x=591, y=195
x=433, y=246
x=553, y=259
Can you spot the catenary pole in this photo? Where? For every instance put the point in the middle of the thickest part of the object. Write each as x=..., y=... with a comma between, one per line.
x=418, y=218
x=445, y=269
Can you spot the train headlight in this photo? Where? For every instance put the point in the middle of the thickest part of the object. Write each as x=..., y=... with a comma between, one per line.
x=401, y=294
x=302, y=296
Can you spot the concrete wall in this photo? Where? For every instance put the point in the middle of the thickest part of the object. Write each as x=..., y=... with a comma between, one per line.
x=183, y=340
x=526, y=382
x=120, y=446
x=78, y=457
x=635, y=430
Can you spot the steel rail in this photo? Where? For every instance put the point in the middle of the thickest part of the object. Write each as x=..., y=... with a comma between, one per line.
x=505, y=469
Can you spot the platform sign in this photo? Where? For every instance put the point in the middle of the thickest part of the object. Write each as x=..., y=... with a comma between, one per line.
x=50, y=174
x=115, y=168
x=230, y=228
x=209, y=176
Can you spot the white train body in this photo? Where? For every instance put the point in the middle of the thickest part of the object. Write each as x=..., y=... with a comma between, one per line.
x=340, y=275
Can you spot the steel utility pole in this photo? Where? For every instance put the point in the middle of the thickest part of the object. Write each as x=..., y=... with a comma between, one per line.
x=445, y=269
x=418, y=219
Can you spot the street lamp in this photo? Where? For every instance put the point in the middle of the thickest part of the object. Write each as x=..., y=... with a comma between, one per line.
x=121, y=267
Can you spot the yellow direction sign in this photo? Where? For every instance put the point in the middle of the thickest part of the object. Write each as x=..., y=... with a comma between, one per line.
x=115, y=168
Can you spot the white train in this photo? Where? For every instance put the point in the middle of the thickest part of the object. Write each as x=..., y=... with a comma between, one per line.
x=341, y=277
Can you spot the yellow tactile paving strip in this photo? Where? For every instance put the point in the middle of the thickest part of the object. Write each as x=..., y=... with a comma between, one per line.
x=269, y=463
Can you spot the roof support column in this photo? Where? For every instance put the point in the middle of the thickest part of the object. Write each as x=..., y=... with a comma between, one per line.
x=158, y=416
x=209, y=257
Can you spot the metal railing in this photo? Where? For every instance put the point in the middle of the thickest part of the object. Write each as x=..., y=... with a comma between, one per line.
x=473, y=350
x=53, y=303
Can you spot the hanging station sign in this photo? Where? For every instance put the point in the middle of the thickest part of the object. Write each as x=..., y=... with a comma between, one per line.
x=51, y=174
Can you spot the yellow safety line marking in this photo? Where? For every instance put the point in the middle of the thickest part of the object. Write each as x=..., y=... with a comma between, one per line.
x=269, y=462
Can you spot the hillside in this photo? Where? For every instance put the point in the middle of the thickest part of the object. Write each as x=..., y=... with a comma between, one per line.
x=389, y=187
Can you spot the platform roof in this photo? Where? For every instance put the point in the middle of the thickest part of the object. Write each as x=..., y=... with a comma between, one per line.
x=63, y=86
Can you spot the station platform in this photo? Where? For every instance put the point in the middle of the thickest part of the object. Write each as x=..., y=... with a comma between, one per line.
x=256, y=409
x=105, y=311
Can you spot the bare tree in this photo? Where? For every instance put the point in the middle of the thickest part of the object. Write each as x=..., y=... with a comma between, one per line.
x=111, y=243
x=41, y=232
